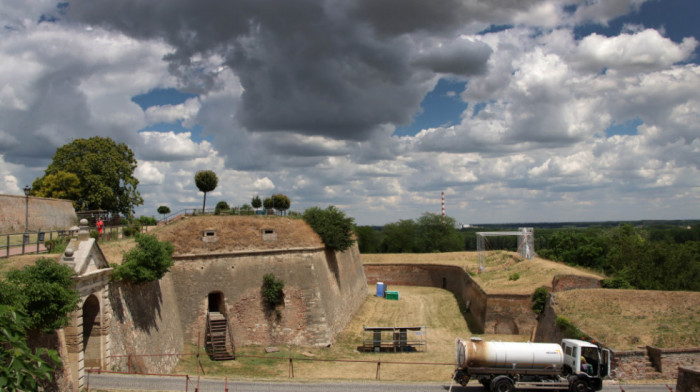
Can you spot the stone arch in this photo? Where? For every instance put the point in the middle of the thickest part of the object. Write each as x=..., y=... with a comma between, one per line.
x=92, y=322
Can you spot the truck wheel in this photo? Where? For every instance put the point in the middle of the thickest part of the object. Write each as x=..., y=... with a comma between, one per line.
x=502, y=385
x=578, y=386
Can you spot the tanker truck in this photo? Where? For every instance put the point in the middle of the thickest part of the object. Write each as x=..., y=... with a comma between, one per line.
x=505, y=366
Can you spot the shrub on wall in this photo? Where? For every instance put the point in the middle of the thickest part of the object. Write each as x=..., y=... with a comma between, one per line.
x=147, y=262
x=272, y=290
x=539, y=299
x=569, y=330
x=332, y=225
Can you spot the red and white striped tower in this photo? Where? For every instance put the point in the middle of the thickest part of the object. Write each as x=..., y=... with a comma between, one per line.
x=443, y=204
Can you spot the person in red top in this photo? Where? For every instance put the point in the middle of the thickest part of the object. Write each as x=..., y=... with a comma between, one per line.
x=100, y=225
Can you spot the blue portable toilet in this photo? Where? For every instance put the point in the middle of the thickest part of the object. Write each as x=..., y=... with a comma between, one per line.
x=380, y=289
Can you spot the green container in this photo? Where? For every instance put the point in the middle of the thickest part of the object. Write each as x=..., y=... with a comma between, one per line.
x=394, y=295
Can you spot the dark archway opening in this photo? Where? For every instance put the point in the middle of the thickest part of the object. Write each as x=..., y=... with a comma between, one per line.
x=216, y=302
x=91, y=332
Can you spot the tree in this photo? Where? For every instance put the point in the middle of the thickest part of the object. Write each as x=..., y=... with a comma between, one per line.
x=399, y=237
x=206, y=181
x=437, y=233
x=147, y=262
x=44, y=291
x=59, y=185
x=281, y=202
x=332, y=225
x=105, y=173
x=21, y=369
x=163, y=210
x=268, y=203
x=221, y=206
x=256, y=202
x=368, y=239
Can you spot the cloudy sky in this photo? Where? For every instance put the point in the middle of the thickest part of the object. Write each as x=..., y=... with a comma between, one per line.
x=519, y=111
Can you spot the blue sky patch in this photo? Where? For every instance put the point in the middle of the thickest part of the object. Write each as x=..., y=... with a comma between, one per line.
x=440, y=107
x=628, y=127
x=161, y=96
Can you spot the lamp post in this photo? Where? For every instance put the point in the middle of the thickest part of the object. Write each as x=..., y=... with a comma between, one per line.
x=25, y=238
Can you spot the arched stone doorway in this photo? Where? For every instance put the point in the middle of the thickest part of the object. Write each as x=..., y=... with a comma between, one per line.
x=92, y=332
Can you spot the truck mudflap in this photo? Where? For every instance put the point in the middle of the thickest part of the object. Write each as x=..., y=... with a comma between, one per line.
x=461, y=377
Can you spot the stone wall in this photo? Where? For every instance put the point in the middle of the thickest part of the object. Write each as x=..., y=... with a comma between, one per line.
x=323, y=290
x=667, y=361
x=490, y=313
x=145, y=320
x=45, y=214
x=570, y=282
x=688, y=380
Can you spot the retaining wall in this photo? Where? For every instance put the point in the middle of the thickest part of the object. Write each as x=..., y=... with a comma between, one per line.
x=44, y=213
x=490, y=313
x=145, y=320
x=688, y=380
x=322, y=291
x=571, y=282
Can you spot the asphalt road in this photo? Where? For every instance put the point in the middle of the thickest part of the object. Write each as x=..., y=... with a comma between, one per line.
x=159, y=383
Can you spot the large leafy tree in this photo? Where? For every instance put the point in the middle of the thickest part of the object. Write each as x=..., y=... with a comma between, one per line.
x=206, y=181
x=437, y=233
x=105, y=176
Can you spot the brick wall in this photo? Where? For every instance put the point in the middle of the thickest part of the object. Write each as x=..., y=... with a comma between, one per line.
x=46, y=214
x=569, y=282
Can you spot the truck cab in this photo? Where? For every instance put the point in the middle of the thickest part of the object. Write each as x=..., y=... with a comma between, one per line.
x=585, y=359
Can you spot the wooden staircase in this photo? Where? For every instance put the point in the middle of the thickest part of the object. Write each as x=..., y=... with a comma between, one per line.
x=218, y=339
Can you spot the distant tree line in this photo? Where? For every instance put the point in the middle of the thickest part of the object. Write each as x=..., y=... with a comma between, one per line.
x=650, y=256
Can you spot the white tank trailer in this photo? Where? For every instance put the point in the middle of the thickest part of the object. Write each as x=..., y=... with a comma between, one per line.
x=505, y=366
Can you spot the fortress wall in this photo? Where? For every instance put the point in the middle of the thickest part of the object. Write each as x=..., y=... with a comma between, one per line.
x=345, y=284
x=320, y=294
x=510, y=314
x=145, y=320
x=45, y=214
x=451, y=278
x=570, y=282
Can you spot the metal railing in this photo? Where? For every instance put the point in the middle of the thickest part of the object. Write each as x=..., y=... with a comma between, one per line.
x=233, y=211
x=40, y=241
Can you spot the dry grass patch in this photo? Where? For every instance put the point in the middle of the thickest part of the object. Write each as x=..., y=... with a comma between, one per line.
x=499, y=267
x=237, y=233
x=627, y=319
